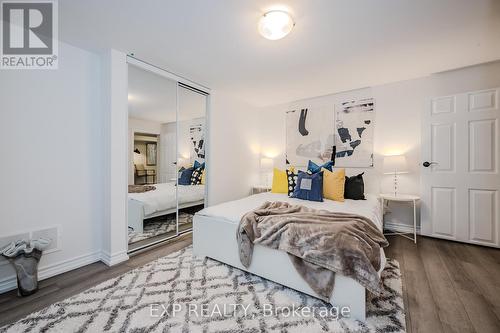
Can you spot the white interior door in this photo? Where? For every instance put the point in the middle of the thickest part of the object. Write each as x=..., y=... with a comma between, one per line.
x=460, y=181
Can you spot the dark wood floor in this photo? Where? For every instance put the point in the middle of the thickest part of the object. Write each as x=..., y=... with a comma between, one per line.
x=447, y=286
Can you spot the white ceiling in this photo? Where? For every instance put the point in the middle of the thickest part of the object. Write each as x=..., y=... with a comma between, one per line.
x=153, y=97
x=336, y=45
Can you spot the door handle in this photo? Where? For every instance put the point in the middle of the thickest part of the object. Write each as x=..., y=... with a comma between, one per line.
x=428, y=164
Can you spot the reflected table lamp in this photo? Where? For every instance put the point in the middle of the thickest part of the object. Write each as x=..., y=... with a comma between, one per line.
x=395, y=165
x=266, y=168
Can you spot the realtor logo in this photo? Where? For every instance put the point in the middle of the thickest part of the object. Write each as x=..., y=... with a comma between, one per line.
x=29, y=35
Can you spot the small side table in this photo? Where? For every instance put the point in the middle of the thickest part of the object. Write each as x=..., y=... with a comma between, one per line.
x=260, y=189
x=403, y=198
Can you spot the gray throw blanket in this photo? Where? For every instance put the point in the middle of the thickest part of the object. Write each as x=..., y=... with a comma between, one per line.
x=319, y=243
x=140, y=188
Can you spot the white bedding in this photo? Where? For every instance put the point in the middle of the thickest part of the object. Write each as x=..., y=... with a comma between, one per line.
x=233, y=211
x=163, y=198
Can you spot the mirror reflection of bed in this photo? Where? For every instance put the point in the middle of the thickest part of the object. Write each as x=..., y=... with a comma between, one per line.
x=166, y=158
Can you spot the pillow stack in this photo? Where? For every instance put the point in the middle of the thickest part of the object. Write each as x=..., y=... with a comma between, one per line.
x=185, y=176
x=291, y=177
x=194, y=175
x=309, y=186
x=355, y=187
x=280, y=180
x=198, y=172
x=333, y=184
x=320, y=181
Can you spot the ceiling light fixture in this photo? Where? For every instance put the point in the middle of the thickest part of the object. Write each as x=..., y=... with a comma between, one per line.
x=275, y=24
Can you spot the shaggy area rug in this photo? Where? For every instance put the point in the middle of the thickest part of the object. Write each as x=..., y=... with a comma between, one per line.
x=159, y=226
x=179, y=293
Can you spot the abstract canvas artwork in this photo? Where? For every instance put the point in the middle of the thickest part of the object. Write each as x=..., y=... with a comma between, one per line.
x=346, y=130
x=309, y=135
x=354, y=125
x=197, y=137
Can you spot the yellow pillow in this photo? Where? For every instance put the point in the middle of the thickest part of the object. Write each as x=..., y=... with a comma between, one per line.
x=280, y=183
x=203, y=177
x=333, y=184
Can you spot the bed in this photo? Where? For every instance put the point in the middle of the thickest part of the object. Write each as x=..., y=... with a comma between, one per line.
x=162, y=201
x=220, y=223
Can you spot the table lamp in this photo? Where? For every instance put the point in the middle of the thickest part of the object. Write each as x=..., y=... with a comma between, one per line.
x=266, y=168
x=395, y=165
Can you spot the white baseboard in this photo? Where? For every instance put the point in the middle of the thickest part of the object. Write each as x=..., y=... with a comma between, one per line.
x=113, y=259
x=400, y=227
x=48, y=271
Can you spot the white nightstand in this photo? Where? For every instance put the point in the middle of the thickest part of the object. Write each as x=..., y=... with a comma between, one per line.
x=260, y=189
x=403, y=198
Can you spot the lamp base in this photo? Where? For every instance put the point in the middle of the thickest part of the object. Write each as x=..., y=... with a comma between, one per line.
x=395, y=184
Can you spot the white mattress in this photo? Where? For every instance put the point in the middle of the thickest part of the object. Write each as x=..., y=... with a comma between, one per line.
x=233, y=211
x=164, y=197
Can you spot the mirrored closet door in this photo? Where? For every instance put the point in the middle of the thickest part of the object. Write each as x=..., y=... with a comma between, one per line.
x=167, y=130
x=190, y=154
x=152, y=190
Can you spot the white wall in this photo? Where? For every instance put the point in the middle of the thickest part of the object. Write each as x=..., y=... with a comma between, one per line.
x=115, y=140
x=399, y=107
x=233, y=148
x=52, y=158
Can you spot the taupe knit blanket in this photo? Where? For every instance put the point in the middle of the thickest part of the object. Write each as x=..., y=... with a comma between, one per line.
x=140, y=188
x=320, y=243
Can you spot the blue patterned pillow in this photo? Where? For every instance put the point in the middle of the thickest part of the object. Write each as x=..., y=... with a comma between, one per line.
x=197, y=165
x=185, y=176
x=309, y=187
x=314, y=168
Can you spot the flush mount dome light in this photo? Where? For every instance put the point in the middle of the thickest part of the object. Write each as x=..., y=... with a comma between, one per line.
x=275, y=24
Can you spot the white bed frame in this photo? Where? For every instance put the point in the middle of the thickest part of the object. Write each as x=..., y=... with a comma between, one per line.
x=136, y=213
x=216, y=238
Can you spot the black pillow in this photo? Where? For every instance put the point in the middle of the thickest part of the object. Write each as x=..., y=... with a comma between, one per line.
x=291, y=178
x=354, y=187
x=196, y=176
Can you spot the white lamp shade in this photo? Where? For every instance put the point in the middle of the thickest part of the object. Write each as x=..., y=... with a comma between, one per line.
x=266, y=164
x=395, y=164
x=183, y=162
